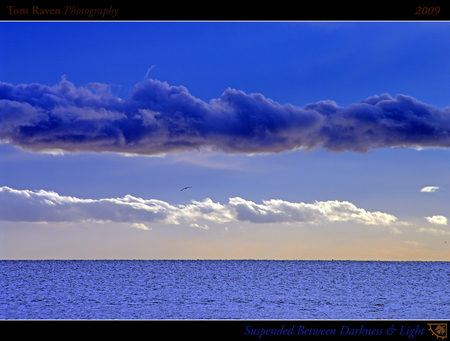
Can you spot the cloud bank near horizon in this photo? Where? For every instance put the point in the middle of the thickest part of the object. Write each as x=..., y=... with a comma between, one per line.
x=48, y=206
x=158, y=118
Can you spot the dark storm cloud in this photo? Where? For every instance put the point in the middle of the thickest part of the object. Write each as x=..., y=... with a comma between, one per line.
x=158, y=118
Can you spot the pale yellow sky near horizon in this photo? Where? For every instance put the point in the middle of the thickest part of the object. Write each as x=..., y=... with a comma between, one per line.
x=338, y=241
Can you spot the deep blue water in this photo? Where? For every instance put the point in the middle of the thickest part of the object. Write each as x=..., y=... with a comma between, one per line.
x=229, y=289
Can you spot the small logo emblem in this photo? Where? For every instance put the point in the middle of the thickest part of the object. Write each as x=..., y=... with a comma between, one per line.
x=439, y=330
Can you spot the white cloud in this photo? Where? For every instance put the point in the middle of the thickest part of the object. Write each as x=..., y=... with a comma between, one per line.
x=26, y=205
x=437, y=219
x=47, y=206
x=278, y=211
x=430, y=189
x=141, y=226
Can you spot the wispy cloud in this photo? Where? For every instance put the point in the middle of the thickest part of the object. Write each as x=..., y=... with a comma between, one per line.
x=47, y=206
x=158, y=118
x=206, y=227
x=148, y=71
x=395, y=230
x=429, y=189
x=434, y=232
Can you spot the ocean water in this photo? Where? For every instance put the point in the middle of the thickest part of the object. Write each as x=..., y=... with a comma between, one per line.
x=224, y=289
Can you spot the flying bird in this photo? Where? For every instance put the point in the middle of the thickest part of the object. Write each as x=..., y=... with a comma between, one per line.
x=186, y=188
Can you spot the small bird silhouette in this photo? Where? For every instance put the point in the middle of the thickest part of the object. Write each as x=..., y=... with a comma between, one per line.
x=186, y=188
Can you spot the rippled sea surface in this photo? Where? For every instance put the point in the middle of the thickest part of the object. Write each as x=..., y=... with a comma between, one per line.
x=227, y=289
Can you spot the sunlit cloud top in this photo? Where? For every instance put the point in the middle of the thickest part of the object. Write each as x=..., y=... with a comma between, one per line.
x=47, y=206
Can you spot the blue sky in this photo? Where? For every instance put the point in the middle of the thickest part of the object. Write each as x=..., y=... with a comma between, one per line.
x=301, y=140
